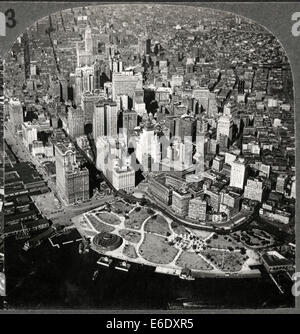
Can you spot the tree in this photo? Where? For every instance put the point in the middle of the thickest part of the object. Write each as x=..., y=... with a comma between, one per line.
x=143, y=201
x=150, y=211
x=243, y=251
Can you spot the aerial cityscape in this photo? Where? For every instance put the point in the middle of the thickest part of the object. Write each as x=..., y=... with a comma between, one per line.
x=145, y=146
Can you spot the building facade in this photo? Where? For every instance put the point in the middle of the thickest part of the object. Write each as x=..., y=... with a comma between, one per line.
x=72, y=181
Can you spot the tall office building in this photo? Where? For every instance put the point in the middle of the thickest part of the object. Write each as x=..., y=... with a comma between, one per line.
x=125, y=83
x=84, y=81
x=33, y=68
x=202, y=95
x=64, y=87
x=254, y=190
x=176, y=81
x=201, y=150
x=25, y=41
x=114, y=162
x=15, y=111
x=72, y=181
x=230, y=109
x=224, y=127
x=197, y=209
x=123, y=177
x=55, y=88
x=29, y=132
x=180, y=201
x=195, y=53
x=238, y=173
x=75, y=122
x=148, y=46
x=87, y=78
x=129, y=120
x=88, y=102
x=182, y=152
x=148, y=143
x=138, y=100
x=116, y=65
x=186, y=127
x=88, y=41
x=281, y=183
x=139, y=94
x=122, y=102
x=105, y=119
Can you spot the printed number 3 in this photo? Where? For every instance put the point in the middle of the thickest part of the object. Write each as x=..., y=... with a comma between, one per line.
x=10, y=18
x=296, y=25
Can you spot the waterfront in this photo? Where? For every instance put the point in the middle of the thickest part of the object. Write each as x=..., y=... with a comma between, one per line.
x=31, y=276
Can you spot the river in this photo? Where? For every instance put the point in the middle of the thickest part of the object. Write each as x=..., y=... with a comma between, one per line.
x=48, y=278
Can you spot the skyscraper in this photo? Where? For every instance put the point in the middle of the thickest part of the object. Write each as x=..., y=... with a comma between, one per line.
x=197, y=209
x=75, y=122
x=115, y=163
x=88, y=101
x=29, y=132
x=148, y=46
x=105, y=119
x=238, y=173
x=15, y=110
x=25, y=41
x=84, y=81
x=186, y=128
x=88, y=41
x=224, y=127
x=72, y=181
x=254, y=190
x=201, y=149
x=125, y=83
x=148, y=143
x=281, y=183
x=129, y=120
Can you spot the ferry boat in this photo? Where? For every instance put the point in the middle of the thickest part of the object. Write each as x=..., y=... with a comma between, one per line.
x=104, y=261
x=95, y=275
x=177, y=304
x=186, y=274
x=123, y=266
x=83, y=247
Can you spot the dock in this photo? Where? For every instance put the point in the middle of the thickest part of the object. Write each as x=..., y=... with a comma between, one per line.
x=104, y=261
x=167, y=271
x=65, y=238
x=123, y=266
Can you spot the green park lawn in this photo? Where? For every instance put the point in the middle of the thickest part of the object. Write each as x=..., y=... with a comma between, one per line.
x=130, y=236
x=157, y=224
x=120, y=207
x=156, y=249
x=221, y=241
x=109, y=218
x=178, y=229
x=130, y=251
x=192, y=261
x=98, y=225
x=225, y=260
x=254, y=238
x=136, y=218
